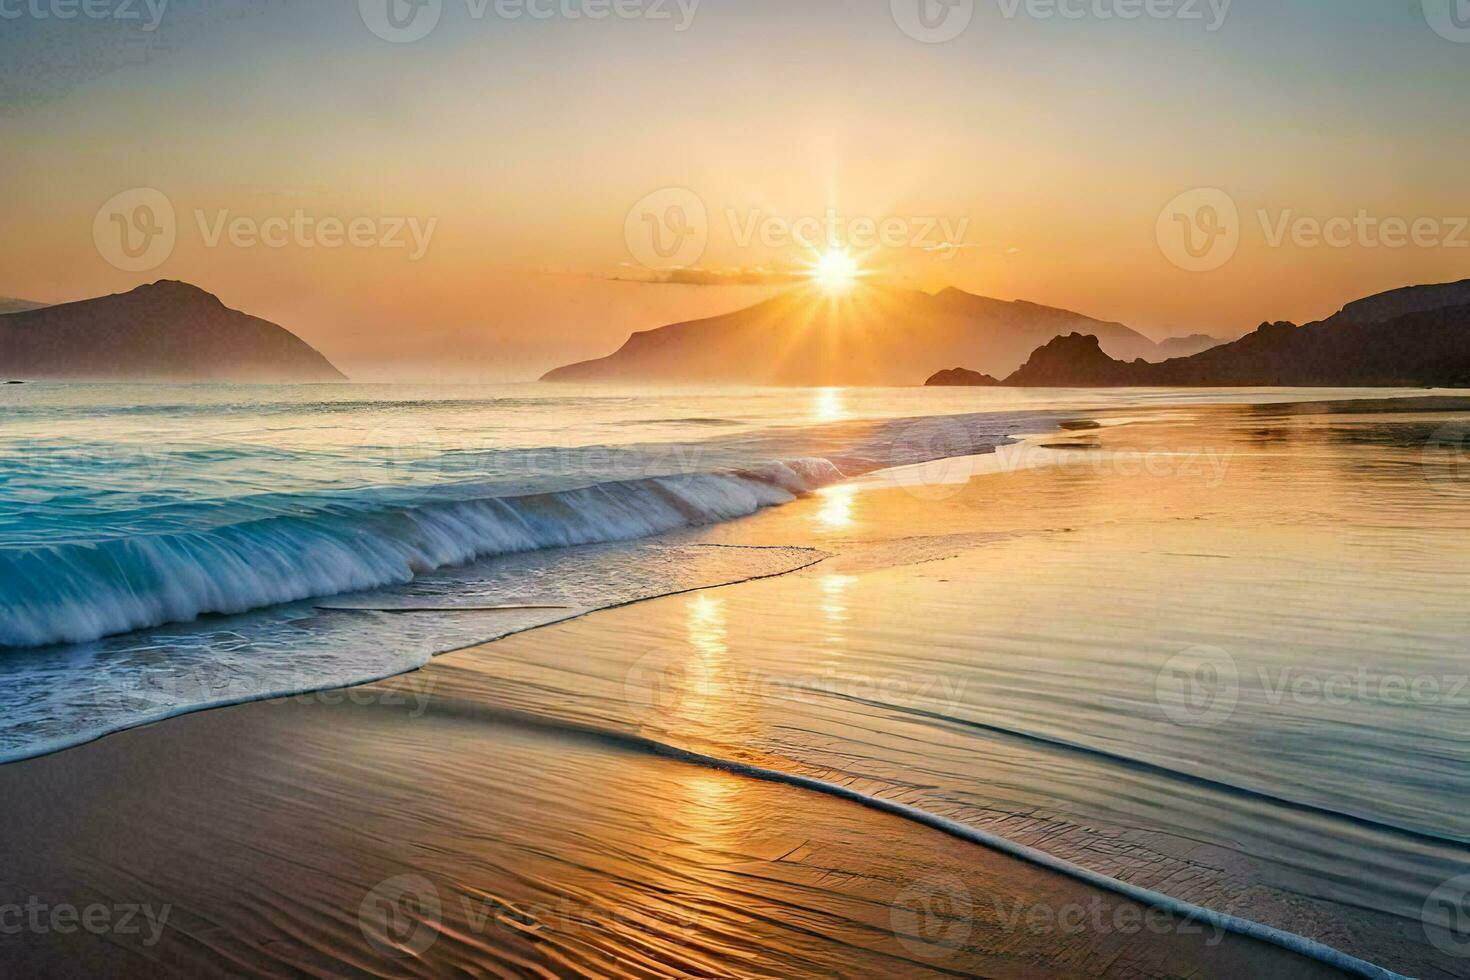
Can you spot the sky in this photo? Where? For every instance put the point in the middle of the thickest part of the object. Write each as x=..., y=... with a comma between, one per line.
x=527, y=182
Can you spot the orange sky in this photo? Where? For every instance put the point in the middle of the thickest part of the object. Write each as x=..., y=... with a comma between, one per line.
x=1054, y=146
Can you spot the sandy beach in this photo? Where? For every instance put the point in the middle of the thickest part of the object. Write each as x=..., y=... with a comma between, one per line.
x=523, y=807
x=278, y=839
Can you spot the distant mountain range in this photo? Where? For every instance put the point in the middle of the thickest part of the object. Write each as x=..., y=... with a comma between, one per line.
x=173, y=331
x=1184, y=346
x=873, y=336
x=1408, y=337
x=167, y=331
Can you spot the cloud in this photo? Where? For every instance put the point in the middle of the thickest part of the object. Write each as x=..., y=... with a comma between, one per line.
x=950, y=248
x=758, y=276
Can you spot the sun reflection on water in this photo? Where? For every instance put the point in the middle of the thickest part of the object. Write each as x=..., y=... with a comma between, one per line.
x=830, y=405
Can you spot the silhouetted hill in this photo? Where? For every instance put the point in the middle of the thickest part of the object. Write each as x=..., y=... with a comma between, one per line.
x=167, y=331
x=1401, y=302
x=1020, y=325
x=1430, y=348
x=1076, y=361
x=1415, y=336
x=872, y=336
x=961, y=378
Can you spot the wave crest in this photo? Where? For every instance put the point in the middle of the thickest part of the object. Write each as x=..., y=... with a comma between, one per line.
x=74, y=593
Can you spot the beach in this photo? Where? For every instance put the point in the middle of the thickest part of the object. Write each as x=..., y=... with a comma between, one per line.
x=1005, y=642
x=362, y=840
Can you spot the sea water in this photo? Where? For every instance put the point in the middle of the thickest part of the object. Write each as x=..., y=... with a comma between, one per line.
x=166, y=548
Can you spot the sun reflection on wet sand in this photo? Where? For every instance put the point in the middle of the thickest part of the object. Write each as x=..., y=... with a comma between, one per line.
x=833, y=603
x=710, y=801
x=712, y=808
x=708, y=631
x=705, y=631
x=720, y=695
x=834, y=606
x=836, y=512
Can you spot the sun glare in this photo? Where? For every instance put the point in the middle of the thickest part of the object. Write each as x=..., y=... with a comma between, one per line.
x=835, y=271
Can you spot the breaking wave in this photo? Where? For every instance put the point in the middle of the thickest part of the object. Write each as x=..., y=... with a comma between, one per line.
x=76, y=592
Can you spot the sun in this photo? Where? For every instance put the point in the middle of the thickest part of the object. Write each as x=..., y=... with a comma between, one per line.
x=835, y=271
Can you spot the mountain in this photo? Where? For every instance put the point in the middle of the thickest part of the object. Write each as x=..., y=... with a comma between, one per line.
x=1429, y=348
x=1185, y=346
x=1410, y=299
x=1019, y=324
x=1418, y=336
x=873, y=336
x=167, y=331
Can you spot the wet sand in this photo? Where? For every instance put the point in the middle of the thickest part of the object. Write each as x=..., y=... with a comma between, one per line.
x=497, y=814
x=260, y=833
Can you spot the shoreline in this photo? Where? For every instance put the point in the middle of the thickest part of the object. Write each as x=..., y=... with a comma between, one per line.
x=50, y=749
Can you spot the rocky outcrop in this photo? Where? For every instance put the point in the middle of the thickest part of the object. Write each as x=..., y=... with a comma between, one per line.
x=1075, y=361
x=961, y=378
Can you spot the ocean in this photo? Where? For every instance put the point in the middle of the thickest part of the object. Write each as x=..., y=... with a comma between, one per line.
x=164, y=549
